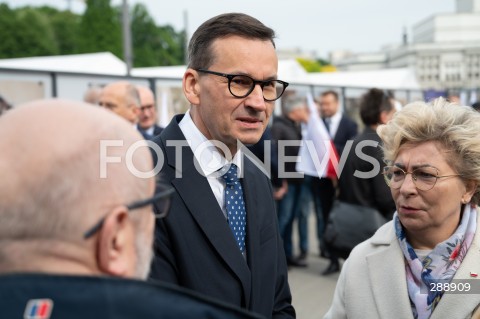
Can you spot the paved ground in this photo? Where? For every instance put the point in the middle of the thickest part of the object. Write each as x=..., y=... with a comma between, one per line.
x=312, y=293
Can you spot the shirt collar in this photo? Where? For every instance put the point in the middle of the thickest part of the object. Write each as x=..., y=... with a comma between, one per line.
x=336, y=117
x=205, y=152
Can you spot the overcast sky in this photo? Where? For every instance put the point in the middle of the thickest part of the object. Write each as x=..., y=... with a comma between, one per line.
x=311, y=25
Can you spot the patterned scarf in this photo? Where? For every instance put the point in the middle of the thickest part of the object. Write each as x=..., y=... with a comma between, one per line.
x=441, y=263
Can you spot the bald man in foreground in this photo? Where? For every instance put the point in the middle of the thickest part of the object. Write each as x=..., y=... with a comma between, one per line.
x=71, y=221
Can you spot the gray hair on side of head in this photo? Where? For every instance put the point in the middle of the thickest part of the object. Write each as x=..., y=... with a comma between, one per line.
x=132, y=95
x=291, y=103
x=456, y=128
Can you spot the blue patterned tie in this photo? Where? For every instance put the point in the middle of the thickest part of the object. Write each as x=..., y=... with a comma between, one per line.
x=235, y=206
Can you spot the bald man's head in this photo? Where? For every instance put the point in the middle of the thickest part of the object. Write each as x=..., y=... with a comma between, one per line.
x=121, y=98
x=51, y=186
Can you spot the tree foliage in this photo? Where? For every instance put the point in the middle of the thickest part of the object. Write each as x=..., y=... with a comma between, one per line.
x=40, y=31
x=152, y=44
x=100, y=29
x=65, y=25
x=25, y=32
x=10, y=33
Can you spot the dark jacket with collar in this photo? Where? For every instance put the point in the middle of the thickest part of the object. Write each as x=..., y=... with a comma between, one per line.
x=285, y=129
x=80, y=297
x=347, y=130
x=156, y=131
x=370, y=192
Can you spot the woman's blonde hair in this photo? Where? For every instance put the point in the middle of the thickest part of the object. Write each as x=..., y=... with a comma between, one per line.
x=456, y=128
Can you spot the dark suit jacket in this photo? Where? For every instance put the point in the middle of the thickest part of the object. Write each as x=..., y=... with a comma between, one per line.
x=156, y=131
x=195, y=248
x=347, y=130
x=80, y=297
x=369, y=192
x=324, y=188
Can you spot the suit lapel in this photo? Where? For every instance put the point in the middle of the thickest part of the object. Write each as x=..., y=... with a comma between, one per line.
x=253, y=231
x=338, y=138
x=462, y=305
x=386, y=269
x=198, y=197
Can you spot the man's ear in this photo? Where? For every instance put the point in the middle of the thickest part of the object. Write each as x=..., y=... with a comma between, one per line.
x=136, y=110
x=116, y=253
x=191, y=86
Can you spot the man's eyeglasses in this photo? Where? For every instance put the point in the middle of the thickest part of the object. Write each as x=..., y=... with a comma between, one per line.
x=147, y=107
x=160, y=201
x=424, y=178
x=241, y=85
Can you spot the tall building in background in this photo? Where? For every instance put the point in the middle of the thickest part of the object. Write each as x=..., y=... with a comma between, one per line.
x=444, y=51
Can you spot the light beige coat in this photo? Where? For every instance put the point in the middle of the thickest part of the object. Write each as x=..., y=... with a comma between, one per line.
x=372, y=283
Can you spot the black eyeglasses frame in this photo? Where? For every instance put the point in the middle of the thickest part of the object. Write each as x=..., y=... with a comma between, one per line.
x=136, y=205
x=262, y=83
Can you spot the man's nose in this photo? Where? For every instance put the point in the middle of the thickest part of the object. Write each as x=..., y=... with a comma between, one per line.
x=255, y=99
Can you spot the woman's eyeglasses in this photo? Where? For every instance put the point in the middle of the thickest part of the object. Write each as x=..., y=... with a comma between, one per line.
x=424, y=178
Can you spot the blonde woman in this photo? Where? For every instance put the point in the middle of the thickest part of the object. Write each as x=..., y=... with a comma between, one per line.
x=425, y=262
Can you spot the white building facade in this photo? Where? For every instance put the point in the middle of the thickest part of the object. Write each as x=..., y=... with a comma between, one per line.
x=444, y=52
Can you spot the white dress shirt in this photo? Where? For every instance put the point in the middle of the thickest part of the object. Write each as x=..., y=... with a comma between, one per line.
x=335, y=123
x=209, y=158
x=149, y=131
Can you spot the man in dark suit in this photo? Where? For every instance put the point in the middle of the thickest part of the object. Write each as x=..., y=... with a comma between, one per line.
x=147, y=119
x=223, y=238
x=341, y=129
x=77, y=232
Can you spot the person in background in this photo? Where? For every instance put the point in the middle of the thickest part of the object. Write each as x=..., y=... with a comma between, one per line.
x=122, y=99
x=476, y=106
x=411, y=265
x=4, y=105
x=341, y=129
x=92, y=95
x=73, y=242
x=295, y=203
x=258, y=150
x=223, y=239
x=454, y=98
x=376, y=108
x=147, y=121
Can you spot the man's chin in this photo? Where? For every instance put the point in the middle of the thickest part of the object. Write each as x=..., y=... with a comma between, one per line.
x=249, y=137
x=250, y=140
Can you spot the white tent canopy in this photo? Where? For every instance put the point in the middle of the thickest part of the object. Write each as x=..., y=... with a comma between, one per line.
x=169, y=72
x=93, y=63
x=394, y=79
x=289, y=70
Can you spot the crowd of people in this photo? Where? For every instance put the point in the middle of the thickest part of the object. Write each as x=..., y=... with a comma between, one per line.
x=178, y=222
